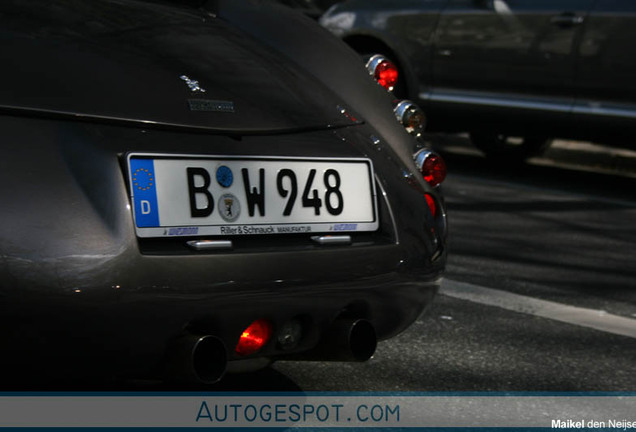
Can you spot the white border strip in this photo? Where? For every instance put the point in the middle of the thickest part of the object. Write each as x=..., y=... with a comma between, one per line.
x=595, y=319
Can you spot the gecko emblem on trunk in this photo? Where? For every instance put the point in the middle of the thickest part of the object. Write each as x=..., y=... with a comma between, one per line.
x=192, y=84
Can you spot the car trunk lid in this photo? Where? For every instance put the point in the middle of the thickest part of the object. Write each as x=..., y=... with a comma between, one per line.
x=154, y=64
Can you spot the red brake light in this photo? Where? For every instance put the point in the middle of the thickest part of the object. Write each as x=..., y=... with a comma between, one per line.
x=434, y=170
x=254, y=337
x=383, y=71
x=386, y=74
x=432, y=167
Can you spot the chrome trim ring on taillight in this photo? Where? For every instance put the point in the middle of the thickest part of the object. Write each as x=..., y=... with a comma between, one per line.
x=374, y=62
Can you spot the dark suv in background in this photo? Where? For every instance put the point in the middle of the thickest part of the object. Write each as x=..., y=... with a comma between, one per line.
x=513, y=73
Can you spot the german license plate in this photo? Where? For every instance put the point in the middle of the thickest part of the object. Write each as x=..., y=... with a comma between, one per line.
x=194, y=196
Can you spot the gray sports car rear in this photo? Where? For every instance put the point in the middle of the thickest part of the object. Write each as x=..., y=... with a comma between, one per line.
x=171, y=174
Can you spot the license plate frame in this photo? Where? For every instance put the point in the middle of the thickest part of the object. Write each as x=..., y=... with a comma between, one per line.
x=169, y=199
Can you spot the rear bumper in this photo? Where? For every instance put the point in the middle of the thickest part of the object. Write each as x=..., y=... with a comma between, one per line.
x=129, y=335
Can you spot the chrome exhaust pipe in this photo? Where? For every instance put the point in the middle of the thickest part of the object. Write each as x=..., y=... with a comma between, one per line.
x=352, y=340
x=196, y=359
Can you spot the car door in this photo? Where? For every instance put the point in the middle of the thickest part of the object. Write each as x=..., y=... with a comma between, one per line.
x=508, y=53
x=605, y=83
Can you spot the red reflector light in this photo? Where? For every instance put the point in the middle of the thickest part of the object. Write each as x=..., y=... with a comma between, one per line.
x=254, y=337
x=431, y=204
x=386, y=74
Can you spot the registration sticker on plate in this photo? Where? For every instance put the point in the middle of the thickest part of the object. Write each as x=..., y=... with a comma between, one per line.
x=220, y=195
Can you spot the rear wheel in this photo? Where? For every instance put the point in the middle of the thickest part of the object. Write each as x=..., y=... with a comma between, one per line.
x=509, y=148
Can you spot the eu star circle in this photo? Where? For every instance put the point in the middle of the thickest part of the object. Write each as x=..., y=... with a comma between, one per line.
x=224, y=176
x=143, y=179
x=229, y=207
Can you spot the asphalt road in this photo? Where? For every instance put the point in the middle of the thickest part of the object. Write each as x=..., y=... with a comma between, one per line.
x=560, y=232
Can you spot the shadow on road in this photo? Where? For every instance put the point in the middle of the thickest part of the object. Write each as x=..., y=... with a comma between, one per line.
x=544, y=228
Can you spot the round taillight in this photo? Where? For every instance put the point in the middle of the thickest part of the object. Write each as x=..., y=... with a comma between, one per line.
x=383, y=71
x=254, y=337
x=431, y=166
x=411, y=117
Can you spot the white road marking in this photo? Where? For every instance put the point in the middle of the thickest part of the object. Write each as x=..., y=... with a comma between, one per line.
x=595, y=319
